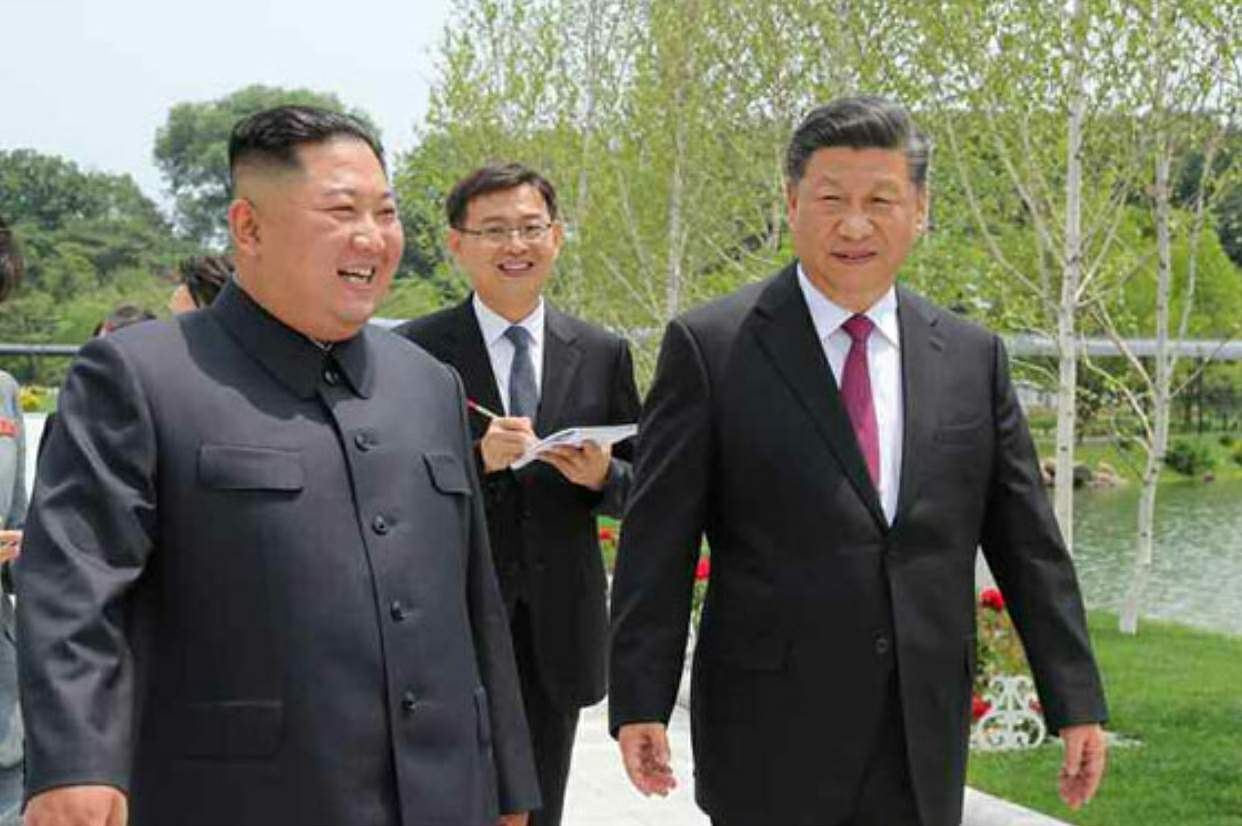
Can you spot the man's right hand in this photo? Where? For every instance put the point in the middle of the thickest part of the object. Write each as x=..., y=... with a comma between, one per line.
x=505, y=440
x=78, y=806
x=645, y=753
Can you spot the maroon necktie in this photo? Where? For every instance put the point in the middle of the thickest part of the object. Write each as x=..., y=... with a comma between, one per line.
x=856, y=392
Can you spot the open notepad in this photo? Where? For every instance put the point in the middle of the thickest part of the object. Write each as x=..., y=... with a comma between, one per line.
x=575, y=436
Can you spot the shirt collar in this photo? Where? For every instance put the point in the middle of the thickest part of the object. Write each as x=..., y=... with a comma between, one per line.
x=293, y=359
x=828, y=316
x=493, y=325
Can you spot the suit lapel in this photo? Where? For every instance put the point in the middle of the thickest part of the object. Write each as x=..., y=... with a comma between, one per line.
x=922, y=362
x=560, y=364
x=469, y=356
x=785, y=333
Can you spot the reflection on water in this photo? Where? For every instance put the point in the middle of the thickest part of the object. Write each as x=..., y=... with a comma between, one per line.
x=1197, y=562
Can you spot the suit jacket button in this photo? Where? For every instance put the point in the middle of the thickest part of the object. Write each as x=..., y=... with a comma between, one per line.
x=408, y=702
x=398, y=611
x=363, y=441
x=882, y=644
x=380, y=525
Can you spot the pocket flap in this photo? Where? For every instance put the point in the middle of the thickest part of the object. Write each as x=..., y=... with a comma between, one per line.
x=238, y=467
x=448, y=475
x=242, y=728
x=959, y=434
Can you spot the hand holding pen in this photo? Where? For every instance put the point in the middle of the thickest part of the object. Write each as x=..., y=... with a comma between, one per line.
x=505, y=440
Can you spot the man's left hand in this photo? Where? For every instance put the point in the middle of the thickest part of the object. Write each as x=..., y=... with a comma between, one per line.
x=518, y=819
x=1083, y=769
x=10, y=545
x=587, y=465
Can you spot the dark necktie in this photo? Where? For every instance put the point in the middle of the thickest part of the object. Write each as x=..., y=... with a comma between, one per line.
x=523, y=391
x=856, y=393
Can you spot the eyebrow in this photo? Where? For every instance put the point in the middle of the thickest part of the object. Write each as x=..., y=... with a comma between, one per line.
x=884, y=183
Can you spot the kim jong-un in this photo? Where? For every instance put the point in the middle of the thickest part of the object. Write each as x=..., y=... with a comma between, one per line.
x=256, y=585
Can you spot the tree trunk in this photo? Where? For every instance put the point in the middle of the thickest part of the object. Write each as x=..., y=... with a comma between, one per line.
x=1067, y=344
x=1161, y=402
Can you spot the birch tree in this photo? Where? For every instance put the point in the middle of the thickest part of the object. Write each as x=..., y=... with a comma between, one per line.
x=1195, y=92
x=1045, y=94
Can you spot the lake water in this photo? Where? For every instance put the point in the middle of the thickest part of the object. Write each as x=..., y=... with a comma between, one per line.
x=1196, y=573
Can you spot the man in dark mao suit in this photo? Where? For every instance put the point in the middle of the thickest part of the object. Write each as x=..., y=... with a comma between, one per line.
x=257, y=587
x=846, y=446
x=505, y=235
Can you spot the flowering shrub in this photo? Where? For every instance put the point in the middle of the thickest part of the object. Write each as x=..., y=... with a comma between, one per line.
x=609, y=536
x=999, y=651
x=702, y=573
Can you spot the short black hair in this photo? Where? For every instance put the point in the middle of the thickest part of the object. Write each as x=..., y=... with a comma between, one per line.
x=860, y=123
x=495, y=178
x=11, y=264
x=272, y=136
x=124, y=315
x=204, y=276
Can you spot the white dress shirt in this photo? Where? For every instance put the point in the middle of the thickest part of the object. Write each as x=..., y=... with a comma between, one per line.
x=500, y=349
x=884, y=366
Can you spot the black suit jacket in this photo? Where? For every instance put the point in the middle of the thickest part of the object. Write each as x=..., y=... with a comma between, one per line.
x=256, y=585
x=543, y=528
x=813, y=599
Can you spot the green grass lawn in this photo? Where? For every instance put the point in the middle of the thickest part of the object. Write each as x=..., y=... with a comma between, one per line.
x=1129, y=463
x=1178, y=691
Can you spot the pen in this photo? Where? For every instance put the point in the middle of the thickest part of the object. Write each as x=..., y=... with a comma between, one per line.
x=481, y=410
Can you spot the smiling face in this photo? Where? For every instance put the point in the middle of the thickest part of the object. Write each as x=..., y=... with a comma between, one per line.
x=317, y=246
x=855, y=215
x=508, y=275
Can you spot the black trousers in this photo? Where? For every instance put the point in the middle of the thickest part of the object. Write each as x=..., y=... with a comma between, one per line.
x=885, y=795
x=552, y=727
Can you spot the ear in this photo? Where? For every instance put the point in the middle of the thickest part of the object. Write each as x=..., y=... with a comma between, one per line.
x=454, y=242
x=922, y=201
x=244, y=227
x=791, y=201
x=558, y=238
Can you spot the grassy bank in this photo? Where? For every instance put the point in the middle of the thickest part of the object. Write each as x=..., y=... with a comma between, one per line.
x=1129, y=463
x=1179, y=692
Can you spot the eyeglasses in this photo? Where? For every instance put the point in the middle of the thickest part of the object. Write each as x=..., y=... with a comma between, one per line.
x=499, y=235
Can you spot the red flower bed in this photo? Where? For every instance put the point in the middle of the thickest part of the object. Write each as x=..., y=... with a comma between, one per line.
x=991, y=598
x=978, y=707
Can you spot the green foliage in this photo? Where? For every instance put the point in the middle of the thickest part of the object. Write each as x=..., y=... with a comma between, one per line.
x=1237, y=455
x=191, y=150
x=1189, y=458
x=91, y=241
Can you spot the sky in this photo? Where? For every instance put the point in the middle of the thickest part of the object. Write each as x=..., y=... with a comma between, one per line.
x=92, y=80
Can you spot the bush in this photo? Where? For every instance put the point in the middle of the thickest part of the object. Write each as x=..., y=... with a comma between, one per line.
x=1226, y=440
x=1190, y=458
x=1237, y=455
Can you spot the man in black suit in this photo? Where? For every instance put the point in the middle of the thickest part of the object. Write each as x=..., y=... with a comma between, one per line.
x=546, y=371
x=256, y=585
x=846, y=446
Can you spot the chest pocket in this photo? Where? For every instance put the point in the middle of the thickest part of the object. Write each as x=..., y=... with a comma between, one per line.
x=239, y=467
x=448, y=474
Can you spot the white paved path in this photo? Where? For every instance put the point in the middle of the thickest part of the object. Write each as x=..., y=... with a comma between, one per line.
x=601, y=795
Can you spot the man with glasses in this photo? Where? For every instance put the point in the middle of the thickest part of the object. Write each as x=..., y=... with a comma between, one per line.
x=543, y=370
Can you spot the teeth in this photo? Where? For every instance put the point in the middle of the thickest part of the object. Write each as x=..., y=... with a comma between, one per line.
x=357, y=276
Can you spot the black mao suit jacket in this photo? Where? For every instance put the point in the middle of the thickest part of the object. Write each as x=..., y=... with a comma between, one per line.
x=542, y=526
x=256, y=585
x=813, y=599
